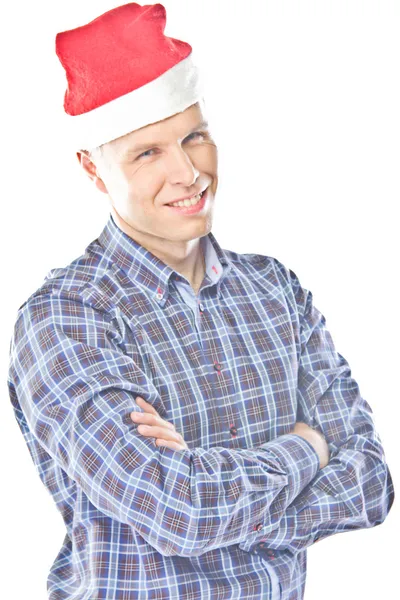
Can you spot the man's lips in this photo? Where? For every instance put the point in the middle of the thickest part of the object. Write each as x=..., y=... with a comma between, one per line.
x=192, y=209
x=186, y=197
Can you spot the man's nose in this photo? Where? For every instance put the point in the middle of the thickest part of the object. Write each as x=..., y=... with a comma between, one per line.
x=180, y=168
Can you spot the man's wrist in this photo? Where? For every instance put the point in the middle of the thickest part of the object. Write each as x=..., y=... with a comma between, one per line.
x=298, y=458
x=315, y=439
x=310, y=445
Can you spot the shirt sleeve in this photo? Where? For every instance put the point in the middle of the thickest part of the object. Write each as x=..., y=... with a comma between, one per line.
x=355, y=489
x=76, y=385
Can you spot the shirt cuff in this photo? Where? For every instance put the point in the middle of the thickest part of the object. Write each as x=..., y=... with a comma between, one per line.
x=299, y=459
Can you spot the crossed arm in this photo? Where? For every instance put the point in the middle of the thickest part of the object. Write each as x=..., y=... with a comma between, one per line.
x=151, y=425
x=353, y=488
x=76, y=387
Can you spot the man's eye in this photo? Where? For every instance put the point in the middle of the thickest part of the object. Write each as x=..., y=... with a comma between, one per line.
x=194, y=135
x=146, y=153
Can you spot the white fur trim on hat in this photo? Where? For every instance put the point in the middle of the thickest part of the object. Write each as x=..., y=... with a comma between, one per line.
x=170, y=93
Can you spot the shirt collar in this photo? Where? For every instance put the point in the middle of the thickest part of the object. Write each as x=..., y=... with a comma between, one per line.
x=150, y=272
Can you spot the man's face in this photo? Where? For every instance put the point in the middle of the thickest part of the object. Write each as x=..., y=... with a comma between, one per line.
x=150, y=167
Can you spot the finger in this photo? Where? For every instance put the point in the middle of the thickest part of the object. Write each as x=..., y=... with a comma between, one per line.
x=160, y=432
x=170, y=444
x=150, y=410
x=150, y=419
x=147, y=407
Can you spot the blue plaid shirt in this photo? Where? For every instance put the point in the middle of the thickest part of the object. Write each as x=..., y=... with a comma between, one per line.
x=233, y=368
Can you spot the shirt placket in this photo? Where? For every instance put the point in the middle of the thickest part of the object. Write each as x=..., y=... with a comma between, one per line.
x=215, y=356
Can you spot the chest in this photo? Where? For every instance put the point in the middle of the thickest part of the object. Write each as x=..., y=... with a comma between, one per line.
x=229, y=377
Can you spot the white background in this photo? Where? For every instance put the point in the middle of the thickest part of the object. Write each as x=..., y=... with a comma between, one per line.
x=305, y=102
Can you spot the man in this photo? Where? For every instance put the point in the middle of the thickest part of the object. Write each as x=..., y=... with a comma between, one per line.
x=258, y=442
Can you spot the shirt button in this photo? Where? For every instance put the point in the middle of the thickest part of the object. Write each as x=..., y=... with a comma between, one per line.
x=159, y=296
x=233, y=430
x=201, y=307
x=217, y=366
x=258, y=527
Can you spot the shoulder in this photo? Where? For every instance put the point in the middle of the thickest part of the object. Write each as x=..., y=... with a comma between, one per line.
x=82, y=281
x=75, y=300
x=259, y=264
x=270, y=274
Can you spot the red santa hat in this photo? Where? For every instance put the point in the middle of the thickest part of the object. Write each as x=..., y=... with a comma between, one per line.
x=123, y=73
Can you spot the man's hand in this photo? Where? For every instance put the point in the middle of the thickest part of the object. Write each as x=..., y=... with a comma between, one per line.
x=316, y=440
x=152, y=425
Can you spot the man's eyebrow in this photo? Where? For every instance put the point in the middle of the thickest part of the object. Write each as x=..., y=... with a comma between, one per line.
x=202, y=125
x=139, y=147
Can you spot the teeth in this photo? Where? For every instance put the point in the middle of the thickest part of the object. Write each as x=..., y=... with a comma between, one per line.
x=187, y=202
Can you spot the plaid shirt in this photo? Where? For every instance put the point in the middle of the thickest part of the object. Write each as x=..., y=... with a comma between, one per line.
x=233, y=369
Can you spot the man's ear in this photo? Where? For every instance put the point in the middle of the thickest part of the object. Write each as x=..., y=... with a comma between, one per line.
x=90, y=169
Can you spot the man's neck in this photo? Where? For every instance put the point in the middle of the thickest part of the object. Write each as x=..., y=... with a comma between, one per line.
x=191, y=265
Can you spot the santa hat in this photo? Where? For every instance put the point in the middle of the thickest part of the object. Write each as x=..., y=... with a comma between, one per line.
x=123, y=73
